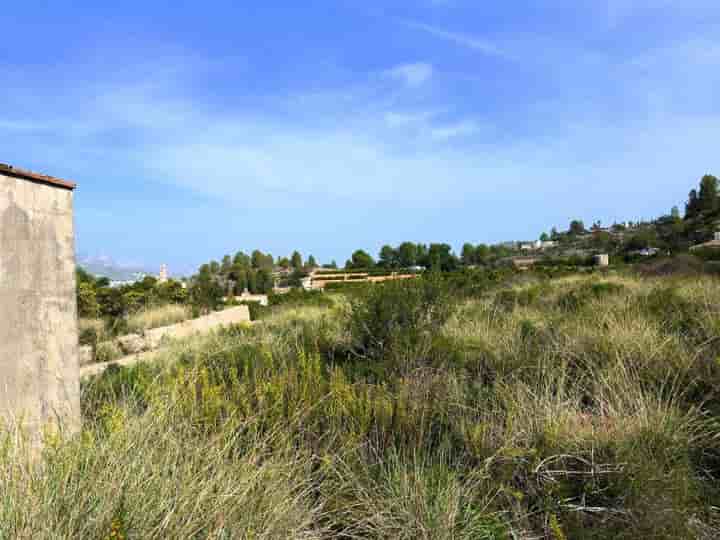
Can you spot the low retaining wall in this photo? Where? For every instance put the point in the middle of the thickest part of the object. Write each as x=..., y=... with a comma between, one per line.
x=138, y=347
x=201, y=325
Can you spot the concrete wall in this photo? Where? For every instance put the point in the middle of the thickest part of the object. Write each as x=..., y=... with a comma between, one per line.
x=39, y=374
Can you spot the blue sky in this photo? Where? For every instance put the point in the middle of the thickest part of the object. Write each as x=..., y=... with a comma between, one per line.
x=196, y=129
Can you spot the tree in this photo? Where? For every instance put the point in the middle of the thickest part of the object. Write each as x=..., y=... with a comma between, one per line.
x=171, y=292
x=675, y=213
x=360, y=260
x=133, y=301
x=441, y=258
x=259, y=260
x=642, y=239
x=554, y=235
x=206, y=292
x=241, y=259
x=226, y=265
x=241, y=281
x=388, y=257
x=468, y=255
x=708, y=198
x=283, y=262
x=87, y=300
x=407, y=254
x=544, y=237
x=576, y=227
x=482, y=252
x=265, y=282
x=214, y=267
x=692, y=207
x=311, y=262
x=252, y=282
x=110, y=302
x=296, y=260
x=421, y=257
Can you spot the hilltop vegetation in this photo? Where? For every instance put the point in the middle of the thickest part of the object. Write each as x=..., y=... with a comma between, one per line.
x=514, y=407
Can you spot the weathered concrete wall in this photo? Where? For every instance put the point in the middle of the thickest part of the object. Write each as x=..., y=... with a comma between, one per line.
x=39, y=374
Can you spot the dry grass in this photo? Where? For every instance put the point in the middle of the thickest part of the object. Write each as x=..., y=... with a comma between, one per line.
x=157, y=317
x=155, y=476
x=577, y=408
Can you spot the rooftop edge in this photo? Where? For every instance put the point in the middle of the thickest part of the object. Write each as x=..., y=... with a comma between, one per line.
x=37, y=177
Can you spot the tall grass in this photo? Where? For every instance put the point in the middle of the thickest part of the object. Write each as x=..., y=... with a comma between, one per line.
x=157, y=316
x=156, y=476
x=583, y=407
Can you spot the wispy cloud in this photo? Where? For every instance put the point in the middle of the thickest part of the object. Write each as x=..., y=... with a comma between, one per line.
x=451, y=131
x=413, y=75
x=471, y=42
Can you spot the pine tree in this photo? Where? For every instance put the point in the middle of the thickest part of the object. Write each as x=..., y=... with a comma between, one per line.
x=692, y=207
x=296, y=260
x=708, y=198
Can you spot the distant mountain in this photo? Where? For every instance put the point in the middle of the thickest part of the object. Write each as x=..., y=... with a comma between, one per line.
x=104, y=266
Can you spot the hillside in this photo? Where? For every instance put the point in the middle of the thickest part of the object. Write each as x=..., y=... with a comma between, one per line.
x=518, y=407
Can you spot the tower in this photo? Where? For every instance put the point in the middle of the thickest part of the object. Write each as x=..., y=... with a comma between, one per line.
x=163, y=275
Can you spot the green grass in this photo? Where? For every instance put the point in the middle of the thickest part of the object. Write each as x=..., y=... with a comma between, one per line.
x=579, y=407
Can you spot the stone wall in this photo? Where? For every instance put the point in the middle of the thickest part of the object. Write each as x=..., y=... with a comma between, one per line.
x=39, y=375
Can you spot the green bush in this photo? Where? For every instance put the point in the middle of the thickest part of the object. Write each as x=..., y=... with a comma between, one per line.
x=578, y=297
x=107, y=351
x=300, y=297
x=509, y=299
x=256, y=309
x=398, y=318
x=88, y=336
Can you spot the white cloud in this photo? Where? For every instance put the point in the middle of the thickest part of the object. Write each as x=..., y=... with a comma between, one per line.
x=451, y=131
x=413, y=75
x=471, y=42
x=409, y=119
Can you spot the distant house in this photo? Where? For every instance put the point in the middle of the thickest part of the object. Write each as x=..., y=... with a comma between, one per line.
x=646, y=252
x=538, y=245
x=712, y=244
x=602, y=259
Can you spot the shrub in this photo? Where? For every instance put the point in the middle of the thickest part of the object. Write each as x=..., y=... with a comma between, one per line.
x=578, y=297
x=256, y=309
x=91, y=331
x=300, y=297
x=398, y=318
x=107, y=351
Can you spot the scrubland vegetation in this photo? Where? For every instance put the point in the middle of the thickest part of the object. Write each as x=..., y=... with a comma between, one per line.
x=157, y=317
x=575, y=407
